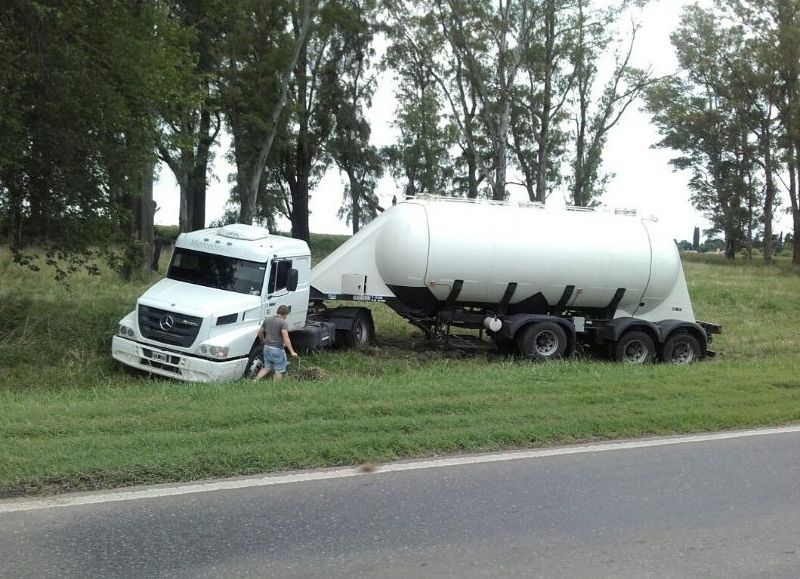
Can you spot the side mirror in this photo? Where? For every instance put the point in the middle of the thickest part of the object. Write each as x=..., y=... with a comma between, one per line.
x=291, y=280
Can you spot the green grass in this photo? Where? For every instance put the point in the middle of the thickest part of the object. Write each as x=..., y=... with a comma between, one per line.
x=71, y=419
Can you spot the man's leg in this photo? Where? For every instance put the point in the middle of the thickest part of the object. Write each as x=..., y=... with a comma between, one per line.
x=280, y=363
x=265, y=369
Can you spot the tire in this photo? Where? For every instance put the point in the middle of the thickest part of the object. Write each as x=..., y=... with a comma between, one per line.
x=634, y=348
x=362, y=332
x=543, y=341
x=255, y=361
x=681, y=349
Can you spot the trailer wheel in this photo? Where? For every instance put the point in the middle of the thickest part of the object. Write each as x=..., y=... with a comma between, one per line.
x=681, y=348
x=362, y=332
x=255, y=361
x=542, y=341
x=634, y=348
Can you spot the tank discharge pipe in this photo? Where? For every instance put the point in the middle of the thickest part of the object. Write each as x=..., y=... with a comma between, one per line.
x=492, y=324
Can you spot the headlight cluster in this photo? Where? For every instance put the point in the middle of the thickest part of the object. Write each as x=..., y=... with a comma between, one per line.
x=214, y=351
x=125, y=331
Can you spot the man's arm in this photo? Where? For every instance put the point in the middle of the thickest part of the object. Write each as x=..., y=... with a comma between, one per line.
x=288, y=343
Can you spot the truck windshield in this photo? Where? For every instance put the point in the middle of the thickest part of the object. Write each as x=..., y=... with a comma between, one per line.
x=217, y=271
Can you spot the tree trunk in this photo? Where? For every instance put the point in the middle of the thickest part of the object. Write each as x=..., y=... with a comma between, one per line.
x=500, y=148
x=197, y=176
x=472, y=176
x=197, y=194
x=411, y=185
x=355, y=198
x=730, y=244
x=543, y=153
x=146, y=227
x=769, y=194
x=14, y=214
x=793, y=183
x=138, y=256
x=583, y=107
x=249, y=191
x=499, y=189
x=185, y=208
x=300, y=212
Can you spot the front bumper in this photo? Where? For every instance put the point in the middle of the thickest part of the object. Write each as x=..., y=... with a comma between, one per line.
x=174, y=364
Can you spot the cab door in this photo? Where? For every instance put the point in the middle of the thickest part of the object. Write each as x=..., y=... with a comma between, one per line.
x=278, y=292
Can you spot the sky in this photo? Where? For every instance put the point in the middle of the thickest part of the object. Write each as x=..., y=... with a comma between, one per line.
x=642, y=177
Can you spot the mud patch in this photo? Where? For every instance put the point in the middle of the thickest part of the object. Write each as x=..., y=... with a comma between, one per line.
x=308, y=373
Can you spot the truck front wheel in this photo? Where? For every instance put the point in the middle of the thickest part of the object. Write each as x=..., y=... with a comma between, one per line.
x=634, y=348
x=362, y=331
x=255, y=361
x=681, y=348
x=543, y=341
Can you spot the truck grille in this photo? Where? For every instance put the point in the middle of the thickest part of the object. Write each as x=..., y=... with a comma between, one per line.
x=168, y=327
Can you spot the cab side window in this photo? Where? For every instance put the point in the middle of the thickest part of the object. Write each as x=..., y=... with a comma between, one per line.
x=278, y=275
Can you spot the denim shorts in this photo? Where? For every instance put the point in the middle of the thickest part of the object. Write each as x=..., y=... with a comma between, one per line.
x=275, y=359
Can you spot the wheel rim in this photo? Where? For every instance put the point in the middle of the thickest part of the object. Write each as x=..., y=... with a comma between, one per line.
x=635, y=352
x=253, y=367
x=546, y=343
x=682, y=353
x=358, y=331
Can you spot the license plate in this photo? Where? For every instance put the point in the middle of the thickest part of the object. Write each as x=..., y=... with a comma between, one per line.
x=159, y=357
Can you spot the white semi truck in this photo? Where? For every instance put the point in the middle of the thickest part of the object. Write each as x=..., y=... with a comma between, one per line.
x=534, y=279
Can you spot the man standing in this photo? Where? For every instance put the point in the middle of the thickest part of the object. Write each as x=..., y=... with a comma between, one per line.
x=274, y=333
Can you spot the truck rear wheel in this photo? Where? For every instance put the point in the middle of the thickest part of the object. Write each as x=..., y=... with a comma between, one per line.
x=634, y=348
x=542, y=341
x=362, y=332
x=681, y=348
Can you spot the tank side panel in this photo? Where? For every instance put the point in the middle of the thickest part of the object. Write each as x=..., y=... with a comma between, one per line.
x=401, y=251
x=542, y=250
x=461, y=248
x=667, y=296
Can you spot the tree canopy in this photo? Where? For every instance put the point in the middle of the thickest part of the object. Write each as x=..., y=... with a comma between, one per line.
x=488, y=96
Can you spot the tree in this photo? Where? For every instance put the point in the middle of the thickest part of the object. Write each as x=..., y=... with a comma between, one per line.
x=696, y=239
x=263, y=59
x=774, y=26
x=540, y=103
x=82, y=82
x=625, y=85
x=421, y=155
x=190, y=128
x=490, y=43
x=351, y=89
x=712, y=245
x=699, y=117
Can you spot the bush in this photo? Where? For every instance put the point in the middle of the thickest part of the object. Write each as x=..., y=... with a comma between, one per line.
x=168, y=232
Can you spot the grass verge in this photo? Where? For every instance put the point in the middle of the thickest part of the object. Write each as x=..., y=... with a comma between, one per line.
x=70, y=419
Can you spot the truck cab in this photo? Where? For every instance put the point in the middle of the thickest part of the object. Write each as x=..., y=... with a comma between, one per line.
x=199, y=323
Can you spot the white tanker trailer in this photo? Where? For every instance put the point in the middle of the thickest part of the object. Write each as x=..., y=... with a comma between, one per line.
x=536, y=280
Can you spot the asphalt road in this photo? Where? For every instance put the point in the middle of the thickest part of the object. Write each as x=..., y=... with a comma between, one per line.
x=723, y=508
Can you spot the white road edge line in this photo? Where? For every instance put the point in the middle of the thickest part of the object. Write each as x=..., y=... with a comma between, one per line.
x=72, y=500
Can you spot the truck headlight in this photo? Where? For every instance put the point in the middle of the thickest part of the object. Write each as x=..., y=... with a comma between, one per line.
x=125, y=331
x=215, y=351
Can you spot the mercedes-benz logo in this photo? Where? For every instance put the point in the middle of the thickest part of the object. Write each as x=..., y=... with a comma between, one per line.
x=166, y=322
